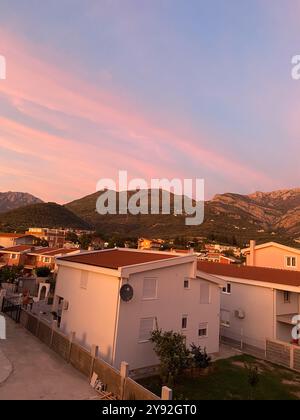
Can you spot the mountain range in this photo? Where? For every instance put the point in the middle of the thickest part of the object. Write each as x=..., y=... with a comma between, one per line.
x=228, y=217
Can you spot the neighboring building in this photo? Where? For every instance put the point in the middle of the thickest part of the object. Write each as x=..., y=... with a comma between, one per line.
x=13, y=239
x=46, y=257
x=211, y=248
x=168, y=293
x=148, y=244
x=15, y=255
x=54, y=237
x=33, y=257
x=216, y=257
x=272, y=255
x=256, y=303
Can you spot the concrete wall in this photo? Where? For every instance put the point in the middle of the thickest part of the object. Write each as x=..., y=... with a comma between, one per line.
x=173, y=301
x=257, y=303
x=273, y=257
x=92, y=311
x=283, y=308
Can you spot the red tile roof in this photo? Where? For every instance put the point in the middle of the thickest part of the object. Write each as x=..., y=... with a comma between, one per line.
x=267, y=275
x=116, y=258
x=17, y=248
x=53, y=251
x=13, y=235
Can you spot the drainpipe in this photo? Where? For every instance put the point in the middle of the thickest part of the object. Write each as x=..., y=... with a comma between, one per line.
x=113, y=356
x=252, y=253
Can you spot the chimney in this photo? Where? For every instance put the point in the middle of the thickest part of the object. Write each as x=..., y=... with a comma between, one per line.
x=252, y=253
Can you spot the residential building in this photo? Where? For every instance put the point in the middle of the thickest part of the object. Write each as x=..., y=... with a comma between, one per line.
x=13, y=239
x=46, y=257
x=146, y=244
x=256, y=303
x=272, y=255
x=114, y=298
x=15, y=255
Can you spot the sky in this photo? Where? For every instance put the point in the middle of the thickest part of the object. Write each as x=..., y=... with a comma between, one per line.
x=160, y=88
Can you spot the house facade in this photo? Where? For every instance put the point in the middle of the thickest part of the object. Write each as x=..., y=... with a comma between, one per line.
x=272, y=255
x=257, y=303
x=14, y=256
x=8, y=240
x=168, y=293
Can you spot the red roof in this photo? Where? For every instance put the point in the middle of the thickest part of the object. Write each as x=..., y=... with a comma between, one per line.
x=267, y=275
x=116, y=258
x=17, y=248
x=53, y=251
x=13, y=235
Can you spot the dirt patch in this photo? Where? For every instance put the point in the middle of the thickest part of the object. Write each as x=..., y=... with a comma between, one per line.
x=266, y=365
x=238, y=364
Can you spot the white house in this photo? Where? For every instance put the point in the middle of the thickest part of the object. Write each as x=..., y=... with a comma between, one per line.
x=115, y=298
x=257, y=303
x=272, y=255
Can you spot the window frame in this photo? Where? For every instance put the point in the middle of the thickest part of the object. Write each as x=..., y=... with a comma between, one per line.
x=156, y=288
x=142, y=340
x=200, y=327
x=226, y=292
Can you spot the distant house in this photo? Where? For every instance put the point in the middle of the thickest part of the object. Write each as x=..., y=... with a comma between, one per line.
x=272, y=255
x=146, y=244
x=33, y=257
x=115, y=298
x=14, y=256
x=13, y=239
x=46, y=257
x=256, y=303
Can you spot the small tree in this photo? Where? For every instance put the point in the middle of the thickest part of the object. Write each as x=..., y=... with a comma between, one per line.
x=172, y=352
x=253, y=378
x=10, y=274
x=200, y=359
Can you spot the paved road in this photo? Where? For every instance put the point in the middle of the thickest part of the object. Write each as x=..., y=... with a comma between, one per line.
x=37, y=372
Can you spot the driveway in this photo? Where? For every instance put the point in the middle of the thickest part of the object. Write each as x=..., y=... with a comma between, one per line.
x=31, y=371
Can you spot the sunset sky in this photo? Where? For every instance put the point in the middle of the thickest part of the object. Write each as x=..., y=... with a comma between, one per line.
x=161, y=88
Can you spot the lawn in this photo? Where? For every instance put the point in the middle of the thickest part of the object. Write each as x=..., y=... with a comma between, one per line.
x=229, y=381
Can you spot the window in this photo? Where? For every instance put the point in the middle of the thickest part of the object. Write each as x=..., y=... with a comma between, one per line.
x=202, y=332
x=227, y=289
x=291, y=262
x=204, y=293
x=225, y=318
x=287, y=297
x=14, y=256
x=84, y=280
x=184, y=322
x=150, y=288
x=146, y=327
x=186, y=283
x=46, y=259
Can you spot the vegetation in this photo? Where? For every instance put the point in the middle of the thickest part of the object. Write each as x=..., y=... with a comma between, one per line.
x=43, y=272
x=49, y=215
x=172, y=352
x=10, y=274
x=200, y=358
x=230, y=380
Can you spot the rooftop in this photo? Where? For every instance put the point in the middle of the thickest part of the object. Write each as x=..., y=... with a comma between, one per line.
x=13, y=235
x=117, y=258
x=266, y=275
x=53, y=251
x=17, y=248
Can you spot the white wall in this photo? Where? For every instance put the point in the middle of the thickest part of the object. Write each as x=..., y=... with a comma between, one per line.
x=92, y=312
x=283, y=308
x=257, y=303
x=172, y=302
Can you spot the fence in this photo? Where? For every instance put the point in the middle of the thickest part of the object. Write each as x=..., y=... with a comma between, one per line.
x=284, y=354
x=117, y=382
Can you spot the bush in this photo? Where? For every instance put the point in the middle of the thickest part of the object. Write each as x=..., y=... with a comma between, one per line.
x=200, y=359
x=43, y=272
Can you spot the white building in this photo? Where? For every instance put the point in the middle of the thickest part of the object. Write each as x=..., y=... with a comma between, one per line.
x=168, y=293
x=257, y=303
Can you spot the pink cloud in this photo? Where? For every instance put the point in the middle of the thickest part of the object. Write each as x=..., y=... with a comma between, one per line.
x=128, y=139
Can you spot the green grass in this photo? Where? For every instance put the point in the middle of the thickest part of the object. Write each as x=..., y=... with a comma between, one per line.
x=229, y=381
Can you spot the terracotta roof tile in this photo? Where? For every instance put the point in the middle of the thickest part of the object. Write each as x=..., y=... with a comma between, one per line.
x=116, y=258
x=267, y=275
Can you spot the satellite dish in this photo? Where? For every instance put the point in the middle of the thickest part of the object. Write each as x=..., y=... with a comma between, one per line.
x=126, y=292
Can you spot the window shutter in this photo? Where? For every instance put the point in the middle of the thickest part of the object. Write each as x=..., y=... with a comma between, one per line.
x=204, y=293
x=146, y=326
x=84, y=280
x=150, y=288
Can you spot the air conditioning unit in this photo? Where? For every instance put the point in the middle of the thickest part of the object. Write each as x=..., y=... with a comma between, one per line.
x=240, y=314
x=65, y=305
